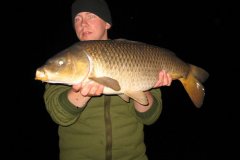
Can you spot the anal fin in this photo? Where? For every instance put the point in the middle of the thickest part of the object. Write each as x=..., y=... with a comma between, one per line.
x=138, y=96
x=124, y=97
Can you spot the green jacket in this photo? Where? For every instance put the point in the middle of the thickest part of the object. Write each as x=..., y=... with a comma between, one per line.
x=96, y=132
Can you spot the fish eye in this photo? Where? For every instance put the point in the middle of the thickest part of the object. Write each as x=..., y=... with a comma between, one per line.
x=60, y=62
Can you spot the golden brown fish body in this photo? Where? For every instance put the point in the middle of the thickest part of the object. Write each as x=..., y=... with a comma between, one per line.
x=126, y=68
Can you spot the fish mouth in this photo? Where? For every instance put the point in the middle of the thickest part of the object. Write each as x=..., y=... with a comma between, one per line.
x=41, y=75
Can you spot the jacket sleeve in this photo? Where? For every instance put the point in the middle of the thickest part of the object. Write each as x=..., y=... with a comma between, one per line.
x=151, y=116
x=58, y=106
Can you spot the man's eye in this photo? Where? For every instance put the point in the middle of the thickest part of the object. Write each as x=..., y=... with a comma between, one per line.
x=78, y=18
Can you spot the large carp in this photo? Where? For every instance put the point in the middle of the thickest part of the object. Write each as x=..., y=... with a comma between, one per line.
x=126, y=68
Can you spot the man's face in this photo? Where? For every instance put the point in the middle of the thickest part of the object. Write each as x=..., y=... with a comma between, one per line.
x=89, y=26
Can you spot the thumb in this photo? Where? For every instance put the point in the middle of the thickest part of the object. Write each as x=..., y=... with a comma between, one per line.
x=76, y=87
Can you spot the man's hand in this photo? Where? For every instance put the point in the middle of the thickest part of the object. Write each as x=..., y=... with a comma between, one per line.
x=80, y=94
x=164, y=79
x=89, y=89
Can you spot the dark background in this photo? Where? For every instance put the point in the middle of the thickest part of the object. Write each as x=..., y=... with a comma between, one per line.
x=201, y=33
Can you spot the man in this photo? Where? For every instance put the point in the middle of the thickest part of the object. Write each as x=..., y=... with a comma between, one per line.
x=92, y=125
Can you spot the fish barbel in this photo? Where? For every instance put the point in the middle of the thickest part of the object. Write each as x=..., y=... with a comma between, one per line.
x=126, y=68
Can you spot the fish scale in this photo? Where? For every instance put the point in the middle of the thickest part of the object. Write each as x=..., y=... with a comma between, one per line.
x=137, y=66
x=115, y=68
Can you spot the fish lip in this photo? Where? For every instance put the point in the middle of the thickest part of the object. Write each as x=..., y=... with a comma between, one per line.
x=41, y=75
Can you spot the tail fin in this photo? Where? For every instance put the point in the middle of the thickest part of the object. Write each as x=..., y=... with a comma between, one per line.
x=193, y=84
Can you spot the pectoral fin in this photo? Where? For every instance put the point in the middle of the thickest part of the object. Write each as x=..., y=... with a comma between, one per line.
x=138, y=96
x=108, y=82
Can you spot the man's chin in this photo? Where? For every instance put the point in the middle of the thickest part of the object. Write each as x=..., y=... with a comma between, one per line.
x=88, y=37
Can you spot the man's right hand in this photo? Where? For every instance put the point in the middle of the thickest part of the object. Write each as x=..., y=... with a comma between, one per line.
x=89, y=89
x=80, y=94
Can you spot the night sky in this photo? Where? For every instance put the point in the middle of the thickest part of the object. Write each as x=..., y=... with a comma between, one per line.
x=199, y=33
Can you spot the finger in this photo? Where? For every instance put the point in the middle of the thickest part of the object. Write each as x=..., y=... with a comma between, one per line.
x=159, y=82
x=93, y=89
x=169, y=79
x=99, y=90
x=165, y=79
x=76, y=87
x=85, y=89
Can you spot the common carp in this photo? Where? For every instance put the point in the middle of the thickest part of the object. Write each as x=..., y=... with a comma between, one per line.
x=126, y=68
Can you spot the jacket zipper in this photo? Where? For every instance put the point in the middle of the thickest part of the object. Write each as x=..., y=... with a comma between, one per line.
x=108, y=127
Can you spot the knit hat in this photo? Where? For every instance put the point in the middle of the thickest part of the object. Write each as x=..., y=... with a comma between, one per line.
x=98, y=7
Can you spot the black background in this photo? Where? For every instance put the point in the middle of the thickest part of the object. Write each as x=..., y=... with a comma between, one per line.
x=201, y=33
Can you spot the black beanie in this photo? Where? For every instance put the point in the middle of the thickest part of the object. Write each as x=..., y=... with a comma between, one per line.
x=98, y=7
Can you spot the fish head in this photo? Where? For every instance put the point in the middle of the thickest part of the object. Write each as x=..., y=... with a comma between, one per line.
x=67, y=67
